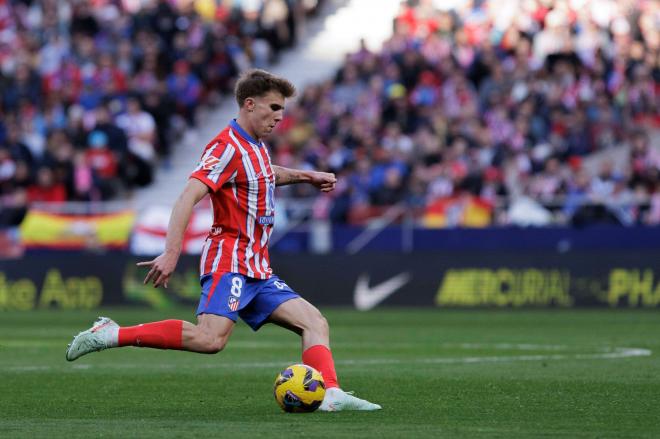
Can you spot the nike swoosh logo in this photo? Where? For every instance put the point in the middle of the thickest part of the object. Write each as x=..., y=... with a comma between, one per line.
x=366, y=298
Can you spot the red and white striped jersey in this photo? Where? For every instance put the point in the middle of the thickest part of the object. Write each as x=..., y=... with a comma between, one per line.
x=238, y=172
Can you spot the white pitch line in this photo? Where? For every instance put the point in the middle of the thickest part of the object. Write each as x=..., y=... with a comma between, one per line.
x=27, y=368
x=609, y=354
x=516, y=346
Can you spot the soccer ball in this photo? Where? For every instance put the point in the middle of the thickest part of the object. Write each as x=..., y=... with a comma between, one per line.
x=299, y=389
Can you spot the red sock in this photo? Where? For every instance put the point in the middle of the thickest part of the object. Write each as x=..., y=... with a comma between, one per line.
x=320, y=358
x=162, y=335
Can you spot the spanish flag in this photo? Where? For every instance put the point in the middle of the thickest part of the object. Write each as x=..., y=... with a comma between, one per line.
x=458, y=211
x=41, y=229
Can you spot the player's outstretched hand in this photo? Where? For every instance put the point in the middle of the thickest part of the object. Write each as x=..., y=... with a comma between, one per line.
x=161, y=269
x=323, y=180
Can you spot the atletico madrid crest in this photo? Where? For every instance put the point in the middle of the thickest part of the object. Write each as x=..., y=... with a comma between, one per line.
x=233, y=303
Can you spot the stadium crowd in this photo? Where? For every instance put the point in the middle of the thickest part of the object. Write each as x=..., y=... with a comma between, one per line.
x=93, y=93
x=494, y=101
x=501, y=102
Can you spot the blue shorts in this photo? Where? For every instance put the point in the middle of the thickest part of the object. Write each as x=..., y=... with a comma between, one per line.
x=234, y=295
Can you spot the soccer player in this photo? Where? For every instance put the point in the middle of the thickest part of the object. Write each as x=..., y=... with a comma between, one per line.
x=237, y=281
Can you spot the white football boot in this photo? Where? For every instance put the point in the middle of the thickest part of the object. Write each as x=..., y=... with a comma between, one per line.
x=102, y=335
x=336, y=400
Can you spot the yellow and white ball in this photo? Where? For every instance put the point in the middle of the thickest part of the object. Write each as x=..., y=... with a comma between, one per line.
x=299, y=389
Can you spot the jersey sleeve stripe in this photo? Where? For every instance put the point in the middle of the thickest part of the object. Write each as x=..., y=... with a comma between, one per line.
x=219, y=168
x=205, y=156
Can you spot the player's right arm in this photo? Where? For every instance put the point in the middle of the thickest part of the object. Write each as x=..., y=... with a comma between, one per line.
x=163, y=266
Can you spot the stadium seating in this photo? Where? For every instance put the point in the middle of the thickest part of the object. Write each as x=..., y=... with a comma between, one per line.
x=521, y=115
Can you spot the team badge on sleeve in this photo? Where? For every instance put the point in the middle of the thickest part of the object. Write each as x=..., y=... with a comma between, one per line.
x=209, y=163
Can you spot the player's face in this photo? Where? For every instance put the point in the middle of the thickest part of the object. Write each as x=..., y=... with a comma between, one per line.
x=267, y=111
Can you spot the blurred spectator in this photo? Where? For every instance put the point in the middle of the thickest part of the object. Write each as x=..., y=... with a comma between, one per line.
x=141, y=130
x=83, y=188
x=185, y=88
x=46, y=188
x=117, y=140
x=102, y=162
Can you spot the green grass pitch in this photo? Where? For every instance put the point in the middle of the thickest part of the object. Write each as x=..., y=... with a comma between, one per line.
x=437, y=373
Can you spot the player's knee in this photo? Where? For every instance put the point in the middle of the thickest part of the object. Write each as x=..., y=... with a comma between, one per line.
x=324, y=326
x=215, y=345
x=212, y=343
x=319, y=324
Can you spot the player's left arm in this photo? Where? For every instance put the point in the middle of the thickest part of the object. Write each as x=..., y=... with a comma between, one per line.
x=325, y=181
